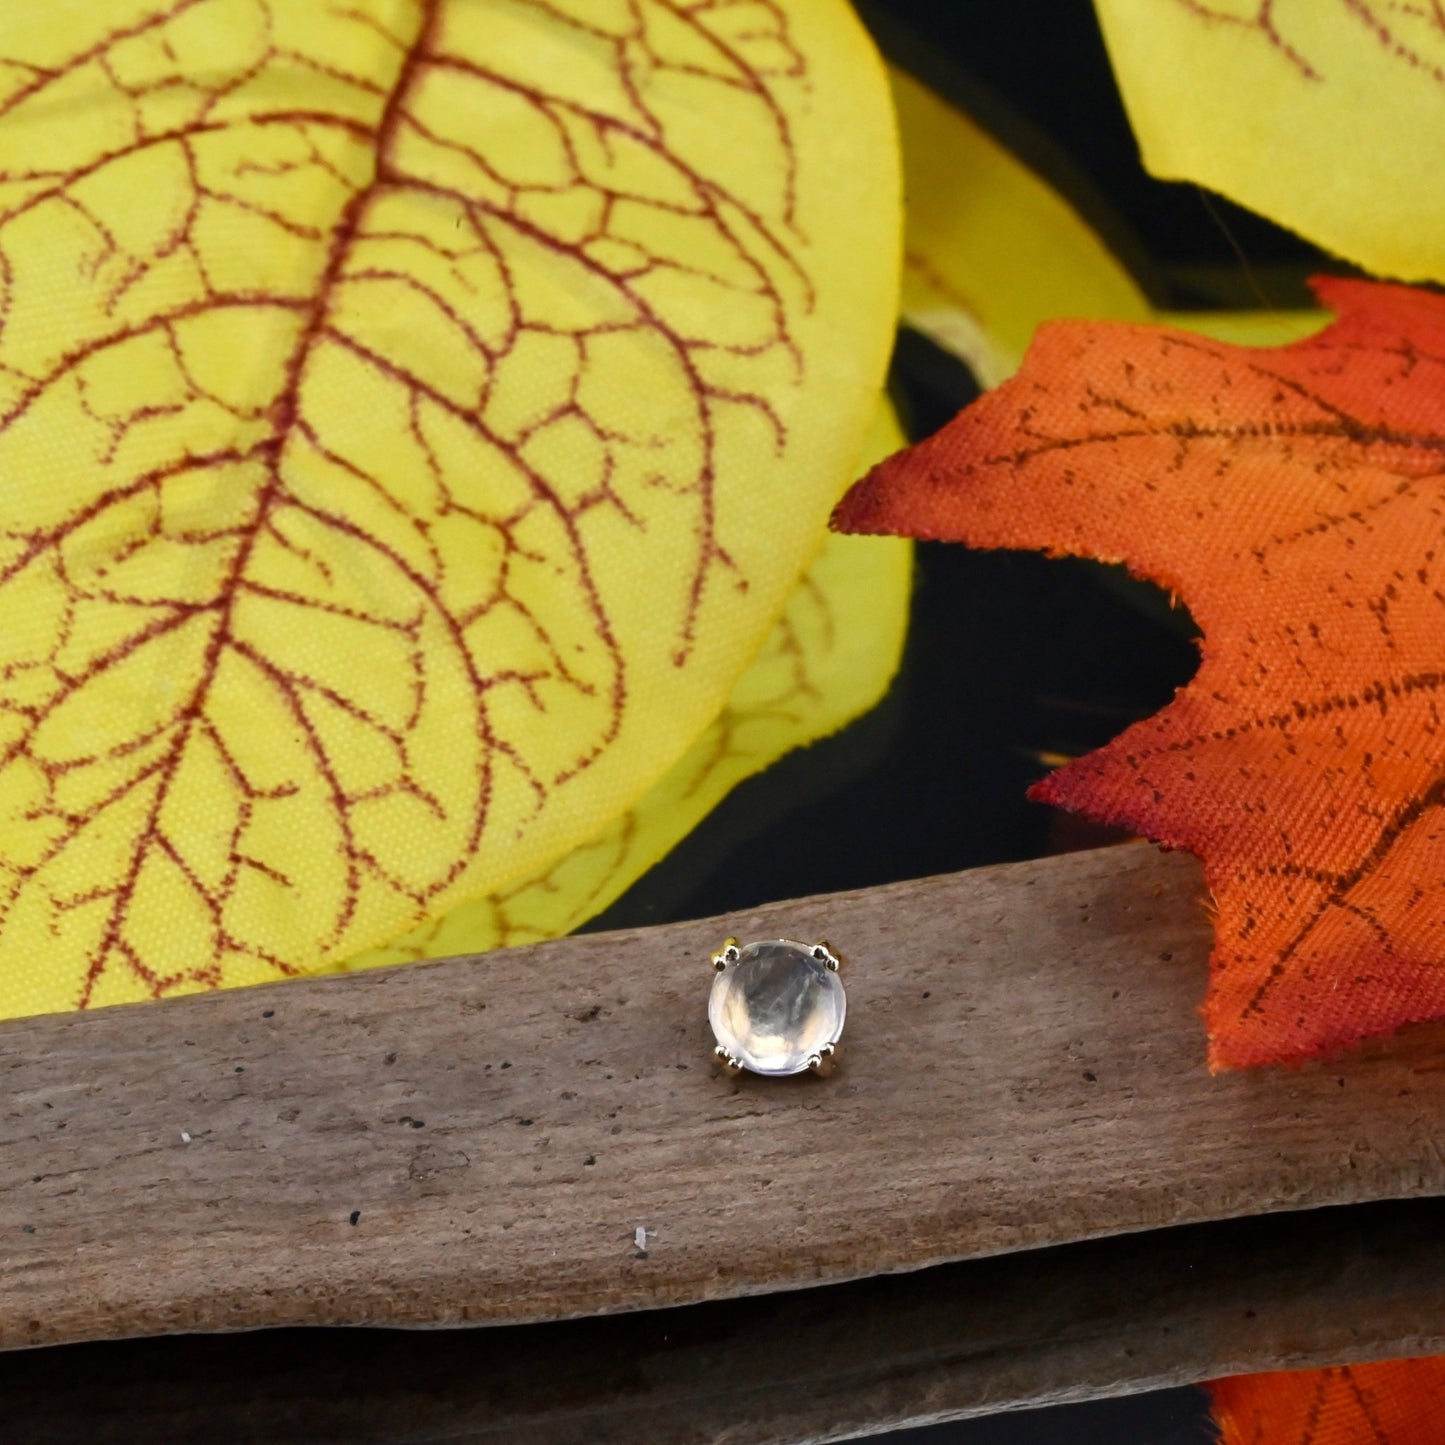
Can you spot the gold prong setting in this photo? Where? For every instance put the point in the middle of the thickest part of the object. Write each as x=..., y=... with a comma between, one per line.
x=823, y=952
x=725, y=1061
x=825, y=1060
x=777, y=1007
x=728, y=953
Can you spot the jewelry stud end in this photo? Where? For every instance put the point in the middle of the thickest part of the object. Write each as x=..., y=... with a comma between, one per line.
x=823, y=952
x=728, y=953
x=725, y=1061
x=825, y=1060
x=776, y=1007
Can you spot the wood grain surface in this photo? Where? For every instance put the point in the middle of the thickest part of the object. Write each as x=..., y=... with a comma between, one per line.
x=1050, y=1326
x=480, y=1140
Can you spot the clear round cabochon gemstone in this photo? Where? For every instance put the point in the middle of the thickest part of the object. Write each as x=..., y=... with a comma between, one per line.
x=776, y=1006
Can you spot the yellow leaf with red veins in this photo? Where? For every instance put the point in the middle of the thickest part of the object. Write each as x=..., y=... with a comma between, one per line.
x=412, y=418
x=829, y=657
x=1327, y=116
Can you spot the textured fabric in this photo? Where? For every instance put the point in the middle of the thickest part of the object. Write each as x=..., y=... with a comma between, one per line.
x=1291, y=496
x=414, y=415
x=1322, y=116
x=1394, y=1402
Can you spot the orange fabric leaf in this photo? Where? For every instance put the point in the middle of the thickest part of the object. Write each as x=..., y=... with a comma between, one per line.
x=1393, y=1402
x=1292, y=496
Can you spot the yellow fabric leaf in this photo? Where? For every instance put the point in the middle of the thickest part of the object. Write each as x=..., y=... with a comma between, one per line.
x=413, y=415
x=829, y=657
x=991, y=250
x=1248, y=328
x=1327, y=116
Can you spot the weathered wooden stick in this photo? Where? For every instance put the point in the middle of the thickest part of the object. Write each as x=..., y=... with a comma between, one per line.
x=1104, y=1317
x=480, y=1140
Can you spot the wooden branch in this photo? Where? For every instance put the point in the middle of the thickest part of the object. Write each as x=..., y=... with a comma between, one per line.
x=1104, y=1317
x=479, y=1140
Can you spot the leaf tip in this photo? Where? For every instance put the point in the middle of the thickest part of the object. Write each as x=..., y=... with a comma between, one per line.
x=881, y=502
x=1378, y=304
x=859, y=508
x=913, y=493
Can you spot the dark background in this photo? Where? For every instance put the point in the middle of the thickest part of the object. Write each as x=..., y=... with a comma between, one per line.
x=1010, y=656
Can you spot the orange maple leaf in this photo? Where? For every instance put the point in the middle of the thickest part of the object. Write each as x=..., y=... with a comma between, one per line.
x=1392, y=1402
x=1293, y=497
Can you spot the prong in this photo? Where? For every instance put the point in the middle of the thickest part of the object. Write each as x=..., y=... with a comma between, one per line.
x=825, y=1060
x=729, y=1065
x=824, y=954
x=728, y=953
